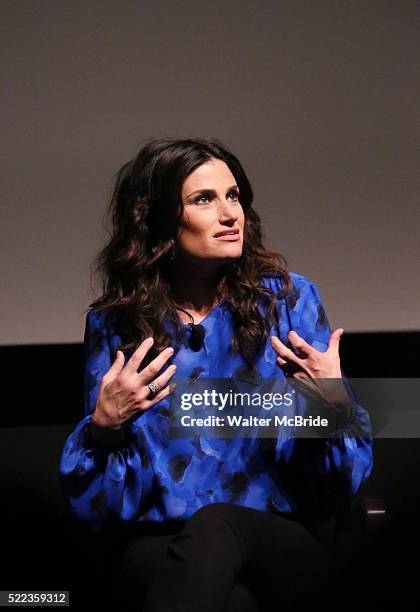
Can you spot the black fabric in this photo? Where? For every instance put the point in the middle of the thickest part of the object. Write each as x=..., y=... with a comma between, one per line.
x=225, y=557
x=106, y=436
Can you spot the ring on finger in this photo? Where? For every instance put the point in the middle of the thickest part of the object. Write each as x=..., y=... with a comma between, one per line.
x=154, y=387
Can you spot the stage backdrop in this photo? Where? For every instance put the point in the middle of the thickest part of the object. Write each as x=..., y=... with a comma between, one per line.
x=318, y=99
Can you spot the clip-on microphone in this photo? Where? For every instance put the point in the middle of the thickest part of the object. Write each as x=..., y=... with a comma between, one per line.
x=198, y=332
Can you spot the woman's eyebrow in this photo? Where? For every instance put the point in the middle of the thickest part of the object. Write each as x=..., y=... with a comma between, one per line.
x=211, y=191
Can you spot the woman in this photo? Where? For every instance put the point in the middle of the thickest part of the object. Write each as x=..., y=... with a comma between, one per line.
x=190, y=292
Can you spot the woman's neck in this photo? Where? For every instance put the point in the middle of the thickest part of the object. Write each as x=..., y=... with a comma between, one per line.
x=195, y=288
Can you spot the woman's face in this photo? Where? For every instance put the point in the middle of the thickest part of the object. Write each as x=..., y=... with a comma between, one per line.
x=210, y=197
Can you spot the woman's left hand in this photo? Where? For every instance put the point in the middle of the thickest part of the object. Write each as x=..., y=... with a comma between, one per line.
x=307, y=364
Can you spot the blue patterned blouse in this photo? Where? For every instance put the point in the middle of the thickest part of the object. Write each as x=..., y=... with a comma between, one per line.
x=154, y=477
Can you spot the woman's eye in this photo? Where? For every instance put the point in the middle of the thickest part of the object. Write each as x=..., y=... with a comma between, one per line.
x=199, y=199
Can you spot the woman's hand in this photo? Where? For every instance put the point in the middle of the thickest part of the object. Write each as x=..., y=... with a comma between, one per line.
x=307, y=362
x=124, y=392
x=312, y=367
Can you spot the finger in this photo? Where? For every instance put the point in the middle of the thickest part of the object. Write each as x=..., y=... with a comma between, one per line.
x=288, y=367
x=303, y=378
x=153, y=369
x=284, y=351
x=139, y=354
x=334, y=341
x=116, y=367
x=161, y=380
x=299, y=343
x=159, y=396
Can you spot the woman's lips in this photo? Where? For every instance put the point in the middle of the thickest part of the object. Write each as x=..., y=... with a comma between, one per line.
x=229, y=237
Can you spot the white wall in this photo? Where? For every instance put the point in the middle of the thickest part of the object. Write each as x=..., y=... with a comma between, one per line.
x=318, y=100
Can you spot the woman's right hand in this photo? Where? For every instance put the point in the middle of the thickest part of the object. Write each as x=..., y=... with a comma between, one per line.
x=124, y=393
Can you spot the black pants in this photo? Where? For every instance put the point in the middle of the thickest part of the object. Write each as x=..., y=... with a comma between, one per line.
x=224, y=558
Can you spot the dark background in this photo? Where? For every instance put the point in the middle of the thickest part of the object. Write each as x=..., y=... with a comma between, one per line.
x=44, y=546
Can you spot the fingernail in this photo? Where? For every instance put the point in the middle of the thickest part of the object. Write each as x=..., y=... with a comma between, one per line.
x=149, y=340
x=171, y=350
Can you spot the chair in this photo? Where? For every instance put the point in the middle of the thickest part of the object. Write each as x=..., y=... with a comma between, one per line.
x=361, y=526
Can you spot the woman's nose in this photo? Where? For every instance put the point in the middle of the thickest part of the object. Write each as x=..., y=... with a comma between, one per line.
x=227, y=213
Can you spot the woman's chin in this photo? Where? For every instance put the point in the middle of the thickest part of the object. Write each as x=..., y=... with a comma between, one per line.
x=228, y=250
x=228, y=256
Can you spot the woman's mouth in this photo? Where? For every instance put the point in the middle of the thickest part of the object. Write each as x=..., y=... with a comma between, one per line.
x=230, y=235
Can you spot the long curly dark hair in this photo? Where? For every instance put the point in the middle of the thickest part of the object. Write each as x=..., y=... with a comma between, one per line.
x=145, y=213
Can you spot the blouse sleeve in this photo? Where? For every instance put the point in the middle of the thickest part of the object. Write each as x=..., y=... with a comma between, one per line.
x=324, y=474
x=103, y=478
